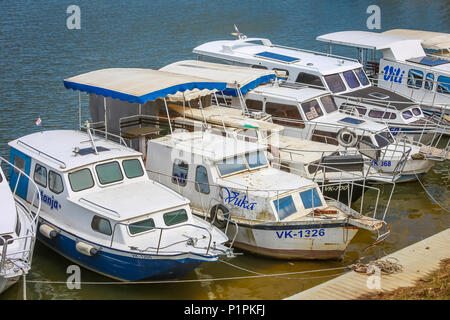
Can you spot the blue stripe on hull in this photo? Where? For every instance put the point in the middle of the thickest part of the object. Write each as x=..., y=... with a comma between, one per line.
x=409, y=177
x=122, y=267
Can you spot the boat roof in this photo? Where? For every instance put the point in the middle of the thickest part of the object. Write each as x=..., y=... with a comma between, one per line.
x=430, y=39
x=252, y=50
x=138, y=85
x=244, y=78
x=208, y=145
x=230, y=117
x=393, y=46
x=55, y=148
x=297, y=93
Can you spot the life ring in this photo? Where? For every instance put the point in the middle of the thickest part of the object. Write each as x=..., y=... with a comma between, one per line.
x=347, y=138
x=218, y=214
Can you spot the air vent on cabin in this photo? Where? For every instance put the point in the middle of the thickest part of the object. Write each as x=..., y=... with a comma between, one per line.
x=379, y=95
x=86, y=151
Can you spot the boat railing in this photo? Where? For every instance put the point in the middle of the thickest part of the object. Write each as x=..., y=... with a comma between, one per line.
x=98, y=132
x=98, y=206
x=30, y=211
x=274, y=194
x=441, y=106
x=318, y=53
x=162, y=230
x=61, y=163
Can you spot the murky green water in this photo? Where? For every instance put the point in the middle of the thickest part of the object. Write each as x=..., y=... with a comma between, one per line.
x=38, y=52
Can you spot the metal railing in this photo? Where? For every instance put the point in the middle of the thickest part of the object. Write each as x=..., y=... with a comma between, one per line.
x=30, y=212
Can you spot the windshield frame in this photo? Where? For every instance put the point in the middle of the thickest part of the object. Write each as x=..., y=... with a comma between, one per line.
x=243, y=156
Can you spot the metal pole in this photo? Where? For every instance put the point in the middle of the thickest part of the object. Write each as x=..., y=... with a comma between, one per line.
x=168, y=117
x=106, y=122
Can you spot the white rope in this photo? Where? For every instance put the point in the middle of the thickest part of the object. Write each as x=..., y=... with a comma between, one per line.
x=257, y=275
x=432, y=198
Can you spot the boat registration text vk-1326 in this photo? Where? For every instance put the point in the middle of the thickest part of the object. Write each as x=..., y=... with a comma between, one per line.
x=306, y=233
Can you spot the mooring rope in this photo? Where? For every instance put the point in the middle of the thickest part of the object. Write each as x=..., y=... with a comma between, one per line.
x=431, y=197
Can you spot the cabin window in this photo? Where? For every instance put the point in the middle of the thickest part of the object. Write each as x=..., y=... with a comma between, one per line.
x=429, y=82
x=141, y=226
x=378, y=114
x=310, y=199
x=384, y=138
x=443, y=85
x=329, y=104
x=285, y=114
x=362, y=76
x=231, y=165
x=335, y=83
x=309, y=79
x=416, y=111
x=254, y=104
x=407, y=114
x=285, y=207
x=351, y=79
x=201, y=180
x=40, y=175
x=325, y=137
x=389, y=115
x=109, y=172
x=415, y=79
x=81, y=180
x=312, y=109
x=132, y=168
x=175, y=217
x=180, y=172
x=101, y=225
x=55, y=183
x=19, y=163
x=256, y=159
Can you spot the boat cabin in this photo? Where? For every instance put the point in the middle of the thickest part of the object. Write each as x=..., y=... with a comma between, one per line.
x=404, y=67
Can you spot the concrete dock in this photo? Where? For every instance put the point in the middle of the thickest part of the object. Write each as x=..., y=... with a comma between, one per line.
x=417, y=260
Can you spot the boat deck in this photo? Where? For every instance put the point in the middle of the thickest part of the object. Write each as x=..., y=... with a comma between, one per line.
x=417, y=260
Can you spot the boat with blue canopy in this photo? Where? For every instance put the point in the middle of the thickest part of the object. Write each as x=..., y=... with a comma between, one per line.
x=100, y=208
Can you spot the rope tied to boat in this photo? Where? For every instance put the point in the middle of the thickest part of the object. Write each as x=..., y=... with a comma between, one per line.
x=388, y=266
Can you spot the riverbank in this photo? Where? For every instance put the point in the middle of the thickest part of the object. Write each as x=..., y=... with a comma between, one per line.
x=435, y=286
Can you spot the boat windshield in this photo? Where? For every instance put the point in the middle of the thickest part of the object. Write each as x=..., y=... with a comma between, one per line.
x=335, y=83
x=362, y=76
x=285, y=207
x=109, y=172
x=329, y=104
x=256, y=159
x=384, y=138
x=311, y=198
x=312, y=109
x=351, y=79
x=253, y=160
x=231, y=165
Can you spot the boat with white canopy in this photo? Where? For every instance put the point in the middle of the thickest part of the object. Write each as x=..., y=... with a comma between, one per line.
x=306, y=114
x=435, y=43
x=344, y=77
x=18, y=223
x=404, y=68
x=101, y=210
x=292, y=151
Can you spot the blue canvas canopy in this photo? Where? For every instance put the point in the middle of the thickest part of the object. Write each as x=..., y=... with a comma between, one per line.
x=236, y=77
x=139, y=85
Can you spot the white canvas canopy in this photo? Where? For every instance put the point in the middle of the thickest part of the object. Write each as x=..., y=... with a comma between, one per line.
x=430, y=39
x=392, y=46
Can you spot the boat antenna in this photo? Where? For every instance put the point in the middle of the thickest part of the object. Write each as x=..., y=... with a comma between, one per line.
x=238, y=34
x=88, y=127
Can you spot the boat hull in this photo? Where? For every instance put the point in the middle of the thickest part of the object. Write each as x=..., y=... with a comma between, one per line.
x=345, y=191
x=295, y=241
x=6, y=282
x=122, y=265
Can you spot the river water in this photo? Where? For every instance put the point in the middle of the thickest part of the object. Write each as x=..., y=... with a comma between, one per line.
x=37, y=51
